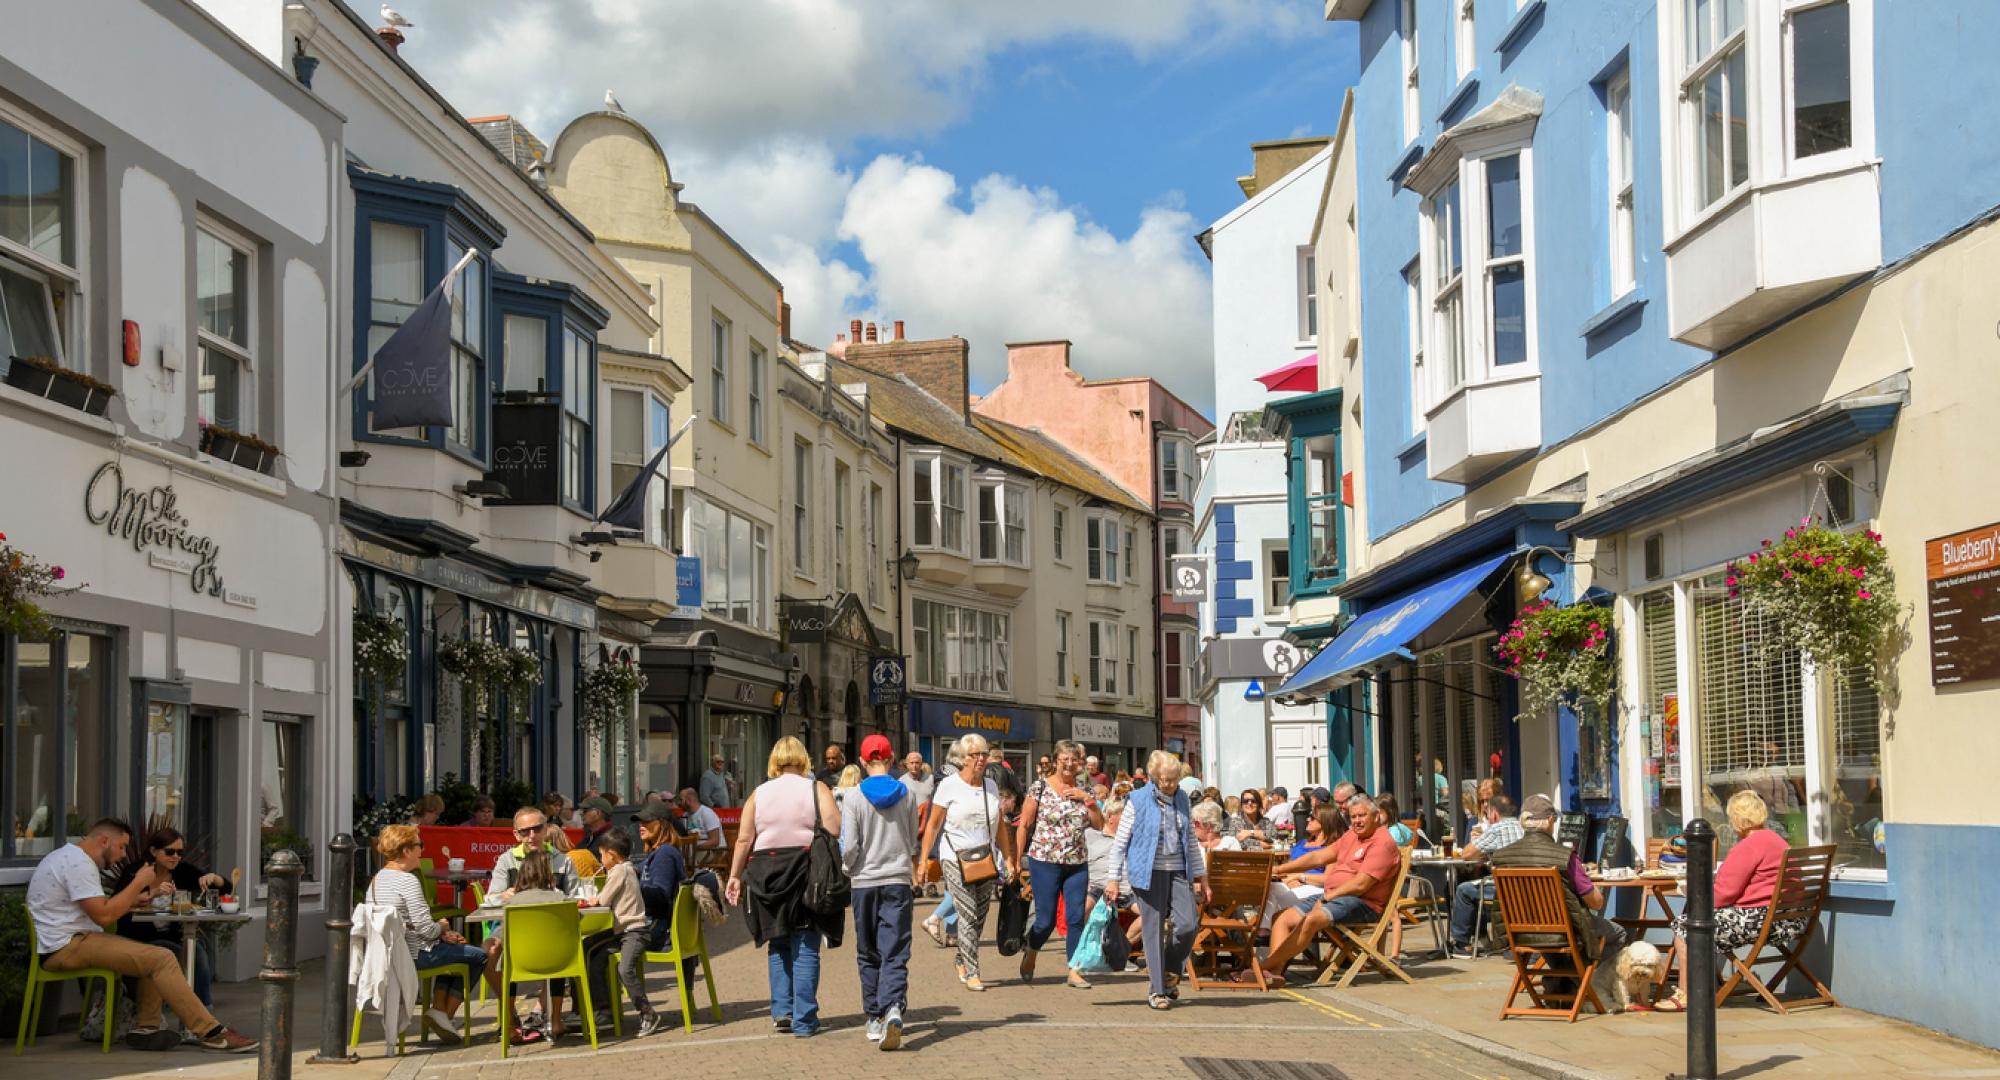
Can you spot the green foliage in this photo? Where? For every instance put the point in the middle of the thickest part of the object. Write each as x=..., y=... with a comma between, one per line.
x=15, y=941
x=511, y=795
x=1823, y=592
x=1560, y=655
x=608, y=694
x=381, y=647
x=458, y=797
x=25, y=579
x=484, y=667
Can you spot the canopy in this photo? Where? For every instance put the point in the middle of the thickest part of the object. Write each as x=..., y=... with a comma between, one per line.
x=1301, y=374
x=1388, y=629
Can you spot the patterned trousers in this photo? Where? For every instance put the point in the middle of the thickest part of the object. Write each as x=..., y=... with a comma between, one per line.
x=972, y=902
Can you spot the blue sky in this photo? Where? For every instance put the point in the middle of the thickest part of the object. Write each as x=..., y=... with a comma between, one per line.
x=1018, y=171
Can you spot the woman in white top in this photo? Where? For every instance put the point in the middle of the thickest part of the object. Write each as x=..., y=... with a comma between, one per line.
x=768, y=876
x=966, y=806
x=433, y=943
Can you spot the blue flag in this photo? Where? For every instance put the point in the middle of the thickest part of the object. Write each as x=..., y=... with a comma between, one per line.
x=413, y=368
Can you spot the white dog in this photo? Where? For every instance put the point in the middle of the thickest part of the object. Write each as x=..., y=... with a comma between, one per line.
x=1625, y=980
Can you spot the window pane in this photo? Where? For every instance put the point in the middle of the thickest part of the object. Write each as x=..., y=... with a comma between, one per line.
x=1710, y=158
x=1854, y=776
x=166, y=765
x=37, y=742
x=628, y=427
x=281, y=789
x=222, y=393
x=222, y=288
x=741, y=561
x=527, y=352
x=1751, y=719
x=1660, y=717
x=37, y=184
x=1503, y=195
x=88, y=664
x=24, y=317
x=396, y=277
x=989, y=521
x=1739, y=120
x=1822, y=116
x=1510, y=314
x=1701, y=28
x=1445, y=214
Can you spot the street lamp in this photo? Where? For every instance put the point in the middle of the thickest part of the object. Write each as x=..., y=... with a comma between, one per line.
x=907, y=565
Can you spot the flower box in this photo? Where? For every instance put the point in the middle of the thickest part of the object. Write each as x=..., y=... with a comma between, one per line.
x=44, y=378
x=248, y=451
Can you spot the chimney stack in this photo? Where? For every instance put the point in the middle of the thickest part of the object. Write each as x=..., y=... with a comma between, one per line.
x=842, y=336
x=785, y=320
x=871, y=333
x=391, y=37
x=854, y=330
x=899, y=329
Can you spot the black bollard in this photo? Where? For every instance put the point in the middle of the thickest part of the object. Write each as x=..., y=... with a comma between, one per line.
x=281, y=971
x=339, y=892
x=1300, y=815
x=1700, y=936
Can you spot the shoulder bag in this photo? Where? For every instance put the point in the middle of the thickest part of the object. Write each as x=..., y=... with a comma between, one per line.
x=828, y=888
x=976, y=864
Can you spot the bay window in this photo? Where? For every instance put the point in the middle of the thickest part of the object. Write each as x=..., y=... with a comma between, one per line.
x=735, y=554
x=1003, y=521
x=937, y=503
x=960, y=648
x=1448, y=287
x=545, y=414
x=40, y=252
x=1478, y=228
x=1820, y=80
x=578, y=404
x=1506, y=264
x=639, y=427
x=468, y=351
x=1714, y=89
x=224, y=332
x=1100, y=534
x=1179, y=473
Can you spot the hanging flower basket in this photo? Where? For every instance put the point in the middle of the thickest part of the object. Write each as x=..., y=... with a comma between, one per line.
x=381, y=647
x=608, y=693
x=484, y=667
x=1822, y=592
x=1560, y=655
x=25, y=579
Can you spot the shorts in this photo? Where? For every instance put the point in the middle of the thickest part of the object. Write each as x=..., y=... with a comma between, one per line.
x=1350, y=909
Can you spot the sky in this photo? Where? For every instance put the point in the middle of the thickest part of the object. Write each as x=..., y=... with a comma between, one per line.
x=1012, y=171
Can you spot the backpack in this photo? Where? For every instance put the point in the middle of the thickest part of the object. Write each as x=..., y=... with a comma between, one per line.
x=828, y=889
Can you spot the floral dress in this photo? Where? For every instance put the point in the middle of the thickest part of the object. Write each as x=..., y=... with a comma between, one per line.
x=1237, y=825
x=1059, y=826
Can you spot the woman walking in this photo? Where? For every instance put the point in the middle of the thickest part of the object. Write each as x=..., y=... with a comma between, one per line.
x=1158, y=857
x=1059, y=812
x=967, y=809
x=770, y=867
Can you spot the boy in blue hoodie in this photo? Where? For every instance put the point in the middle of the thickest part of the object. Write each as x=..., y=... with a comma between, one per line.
x=878, y=844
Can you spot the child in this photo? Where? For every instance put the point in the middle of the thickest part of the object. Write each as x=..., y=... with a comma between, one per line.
x=631, y=927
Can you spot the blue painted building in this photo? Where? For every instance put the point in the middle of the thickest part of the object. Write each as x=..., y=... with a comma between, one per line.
x=1642, y=284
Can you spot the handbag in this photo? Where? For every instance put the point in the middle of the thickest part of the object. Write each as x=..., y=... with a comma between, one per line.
x=1012, y=933
x=828, y=888
x=976, y=864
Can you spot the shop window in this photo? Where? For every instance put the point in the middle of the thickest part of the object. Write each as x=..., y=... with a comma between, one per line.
x=55, y=740
x=1751, y=718
x=1854, y=772
x=284, y=812
x=959, y=648
x=1659, y=716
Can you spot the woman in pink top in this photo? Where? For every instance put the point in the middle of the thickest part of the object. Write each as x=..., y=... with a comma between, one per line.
x=1743, y=886
x=768, y=877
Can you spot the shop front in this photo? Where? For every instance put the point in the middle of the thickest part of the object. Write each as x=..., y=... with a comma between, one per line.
x=836, y=645
x=1016, y=735
x=712, y=694
x=1120, y=743
x=1261, y=741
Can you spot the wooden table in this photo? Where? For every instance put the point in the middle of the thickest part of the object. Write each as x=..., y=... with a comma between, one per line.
x=1657, y=889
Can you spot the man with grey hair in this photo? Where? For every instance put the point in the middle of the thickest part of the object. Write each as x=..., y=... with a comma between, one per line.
x=1360, y=875
x=1501, y=830
x=1537, y=847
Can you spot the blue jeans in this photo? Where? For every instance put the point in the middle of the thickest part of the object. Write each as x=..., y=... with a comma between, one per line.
x=1465, y=905
x=794, y=968
x=882, y=946
x=1050, y=880
x=443, y=952
x=947, y=913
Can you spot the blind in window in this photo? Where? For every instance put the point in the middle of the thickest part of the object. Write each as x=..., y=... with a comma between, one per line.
x=1857, y=725
x=1464, y=678
x=1752, y=713
x=1662, y=674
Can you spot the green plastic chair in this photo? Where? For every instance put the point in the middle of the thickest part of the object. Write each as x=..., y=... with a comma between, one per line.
x=424, y=977
x=38, y=978
x=425, y=869
x=690, y=943
x=543, y=942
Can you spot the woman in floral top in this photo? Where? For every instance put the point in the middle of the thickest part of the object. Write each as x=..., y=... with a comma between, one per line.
x=1057, y=811
x=1247, y=824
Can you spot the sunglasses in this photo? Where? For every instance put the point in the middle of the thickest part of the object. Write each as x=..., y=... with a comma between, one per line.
x=173, y=851
x=526, y=830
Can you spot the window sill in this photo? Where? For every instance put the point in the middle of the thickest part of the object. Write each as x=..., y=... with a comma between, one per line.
x=725, y=425
x=1700, y=221
x=1467, y=89
x=61, y=412
x=1616, y=310
x=1517, y=31
x=763, y=448
x=1871, y=888
x=1412, y=447
x=1405, y=161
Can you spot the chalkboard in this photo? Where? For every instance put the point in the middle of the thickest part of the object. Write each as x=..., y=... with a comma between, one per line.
x=1611, y=833
x=1572, y=830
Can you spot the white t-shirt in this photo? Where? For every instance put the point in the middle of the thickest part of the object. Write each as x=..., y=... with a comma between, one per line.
x=705, y=821
x=1279, y=811
x=66, y=877
x=965, y=817
x=1227, y=843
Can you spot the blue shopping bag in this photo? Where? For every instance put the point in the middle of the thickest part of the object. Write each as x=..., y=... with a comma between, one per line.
x=1089, y=954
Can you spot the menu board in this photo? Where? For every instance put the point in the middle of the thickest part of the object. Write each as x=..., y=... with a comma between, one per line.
x=1962, y=572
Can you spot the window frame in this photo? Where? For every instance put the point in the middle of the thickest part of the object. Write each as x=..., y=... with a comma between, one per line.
x=1103, y=655
x=843, y=484
x=973, y=644
x=67, y=320
x=1131, y=659
x=658, y=524
x=1308, y=294
x=1011, y=495
x=1177, y=666
x=1058, y=533
x=1416, y=317
x=1860, y=83
x=949, y=474
x=721, y=343
x=803, y=467
x=1065, y=680
x=1274, y=607
x=244, y=353
x=110, y=646
x=1413, y=116
x=1690, y=72
x=301, y=815
x=1465, y=41
x=759, y=359
x=1620, y=192
x=757, y=544
x=1476, y=267
x=1101, y=565
x=873, y=523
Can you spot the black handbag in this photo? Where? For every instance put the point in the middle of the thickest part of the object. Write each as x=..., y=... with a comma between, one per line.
x=828, y=888
x=1012, y=931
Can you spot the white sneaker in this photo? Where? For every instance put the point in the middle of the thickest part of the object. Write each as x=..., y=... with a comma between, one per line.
x=892, y=1028
x=441, y=1023
x=874, y=1029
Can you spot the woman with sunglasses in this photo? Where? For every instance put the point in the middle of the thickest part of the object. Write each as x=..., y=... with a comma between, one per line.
x=166, y=851
x=1247, y=824
x=967, y=808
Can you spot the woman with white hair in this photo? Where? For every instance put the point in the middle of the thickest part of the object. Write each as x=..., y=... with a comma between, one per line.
x=1157, y=855
x=1744, y=882
x=966, y=807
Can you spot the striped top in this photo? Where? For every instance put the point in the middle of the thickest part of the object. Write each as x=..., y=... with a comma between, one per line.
x=401, y=890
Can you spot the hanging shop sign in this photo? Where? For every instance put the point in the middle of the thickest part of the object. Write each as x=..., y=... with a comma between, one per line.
x=687, y=587
x=525, y=441
x=887, y=677
x=1252, y=658
x=150, y=519
x=1189, y=574
x=1962, y=572
x=805, y=624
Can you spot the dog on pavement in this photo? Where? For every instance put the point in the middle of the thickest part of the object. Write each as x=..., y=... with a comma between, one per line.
x=1624, y=980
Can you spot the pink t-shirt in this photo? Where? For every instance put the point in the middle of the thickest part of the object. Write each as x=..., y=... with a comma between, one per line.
x=785, y=806
x=1749, y=873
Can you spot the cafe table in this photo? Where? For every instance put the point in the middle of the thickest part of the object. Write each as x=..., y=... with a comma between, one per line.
x=190, y=925
x=1453, y=868
x=1656, y=888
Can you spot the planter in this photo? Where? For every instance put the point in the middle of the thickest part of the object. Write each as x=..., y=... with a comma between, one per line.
x=28, y=378
x=44, y=379
x=246, y=451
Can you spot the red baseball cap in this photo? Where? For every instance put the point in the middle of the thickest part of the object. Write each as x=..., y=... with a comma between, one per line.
x=877, y=748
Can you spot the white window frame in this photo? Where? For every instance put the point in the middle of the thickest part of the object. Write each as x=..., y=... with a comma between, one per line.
x=1009, y=524
x=1103, y=653
x=802, y=526
x=1860, y=88
x=1102, y=566
x=655, y=531
x=973, y=645
x=1183, y=545
x=1471, y=288
x=874, y=526
x=1065, y=681
x=1308, y=294
x=1179, y=667
x=1465, y=41
x=758, y=602
x=1132, y=662
x=1621, y=212
x=63, y=323
x=720, y=335
x=759, y=433
x=1059, y=532
x=244, y=355
x=1417, y=325
x=1273, y=609
x=951, y=476
x=843, y=487
x=1413, y=115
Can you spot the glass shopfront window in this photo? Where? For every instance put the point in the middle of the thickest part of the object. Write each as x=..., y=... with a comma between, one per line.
x=283, y=817
x=743, y=741
x=659, y=765
x=53, y=736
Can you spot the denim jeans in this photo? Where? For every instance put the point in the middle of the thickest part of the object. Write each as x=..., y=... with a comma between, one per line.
x=1465, y=907
x=443, y=952
x=946, y=912
x=1049, y=881
x=794, y=968
x=882, y=946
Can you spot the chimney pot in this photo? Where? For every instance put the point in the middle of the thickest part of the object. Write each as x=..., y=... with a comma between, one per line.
x=391, y=37
x=871, y=333
x=899, y=329
x=854, y=330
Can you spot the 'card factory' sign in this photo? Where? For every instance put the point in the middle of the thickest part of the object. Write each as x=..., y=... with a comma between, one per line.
x=1962, y=573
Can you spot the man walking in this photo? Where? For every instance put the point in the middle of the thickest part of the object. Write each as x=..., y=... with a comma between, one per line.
x=66, y=898
x=878, y=840
x=922, y=784
x=836, y=760
x=714, y=784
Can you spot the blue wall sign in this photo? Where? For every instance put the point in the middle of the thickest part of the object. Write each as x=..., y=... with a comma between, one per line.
x=687, y=587
x=954, y=718
x=1254, y=691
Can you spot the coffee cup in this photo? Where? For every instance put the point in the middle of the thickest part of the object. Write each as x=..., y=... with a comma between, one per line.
x=455, y=865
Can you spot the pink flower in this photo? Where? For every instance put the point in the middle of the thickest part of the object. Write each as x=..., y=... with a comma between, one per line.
x=1767, y=542
x=1788, y=575
x=59, y=573
x=1864, y=594
x=1732, y=580
x=1753, y=556
x=1541, y=656
x=1807, y=520
x=3, y=536
x=1791, y=533
x=1594, y=627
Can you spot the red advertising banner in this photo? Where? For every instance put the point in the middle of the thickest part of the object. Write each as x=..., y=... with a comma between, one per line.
x=479, y=847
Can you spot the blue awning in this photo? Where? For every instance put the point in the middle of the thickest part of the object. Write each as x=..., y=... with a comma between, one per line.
x=1389, y=628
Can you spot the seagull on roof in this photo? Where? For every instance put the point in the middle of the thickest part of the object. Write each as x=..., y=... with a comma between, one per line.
x=394, y=18
x=611, y=102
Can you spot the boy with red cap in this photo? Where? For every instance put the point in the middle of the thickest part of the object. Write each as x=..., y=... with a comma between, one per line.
x=878, y=844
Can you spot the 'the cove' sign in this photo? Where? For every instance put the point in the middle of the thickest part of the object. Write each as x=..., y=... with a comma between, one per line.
x=151, y=520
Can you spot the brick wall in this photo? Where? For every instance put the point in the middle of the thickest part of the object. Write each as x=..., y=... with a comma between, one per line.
x=939, y=365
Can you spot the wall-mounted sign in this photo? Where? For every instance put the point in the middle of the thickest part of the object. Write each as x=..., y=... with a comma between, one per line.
x=954, y=718
x=1254, y=691
x=1963, y=575
x=687, y=587
x=886, y=680
x=1252, y=658
x=1188, y=578
x=525, y=440
x=150, y=519
x=805, y=624
x=1087, y=730
x=725, y=694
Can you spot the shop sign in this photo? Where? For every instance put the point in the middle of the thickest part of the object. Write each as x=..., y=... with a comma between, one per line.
x=954, y=718
x=1086, y=730
x=724, y=692
x=1252, y=658
x=887, y=676
x=462, y=579
x=150, y=519
x=525, y=437
x=1189, y=574
x=1962, y=572
x=687, y=587
x=805, y=624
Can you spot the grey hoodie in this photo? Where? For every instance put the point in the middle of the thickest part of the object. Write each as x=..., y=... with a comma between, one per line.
x=878, y=833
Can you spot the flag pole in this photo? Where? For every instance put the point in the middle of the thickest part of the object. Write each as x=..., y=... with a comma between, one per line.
x=450, y=279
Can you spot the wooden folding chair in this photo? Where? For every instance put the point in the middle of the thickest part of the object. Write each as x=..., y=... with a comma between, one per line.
x=1358, y=948
x=1799, y=893
x=1545, y=945
x=1239, y=884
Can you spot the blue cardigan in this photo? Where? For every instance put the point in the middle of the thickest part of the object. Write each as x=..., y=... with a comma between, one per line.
x=1139, y=838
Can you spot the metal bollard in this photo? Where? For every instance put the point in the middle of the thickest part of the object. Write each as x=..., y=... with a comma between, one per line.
x=1700, y=936
x=333, y=1049
x=1300, y=815
x=281, y=971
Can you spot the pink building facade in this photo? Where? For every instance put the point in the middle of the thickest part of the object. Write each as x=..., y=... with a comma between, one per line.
x=1141, y=435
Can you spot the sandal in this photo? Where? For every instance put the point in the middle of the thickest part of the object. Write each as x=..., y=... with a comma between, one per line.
x=1077, y=981
x=1160, y=1002
x=1672, y=1004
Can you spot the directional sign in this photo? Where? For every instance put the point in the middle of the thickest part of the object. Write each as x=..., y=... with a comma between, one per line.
x=1254, y=691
